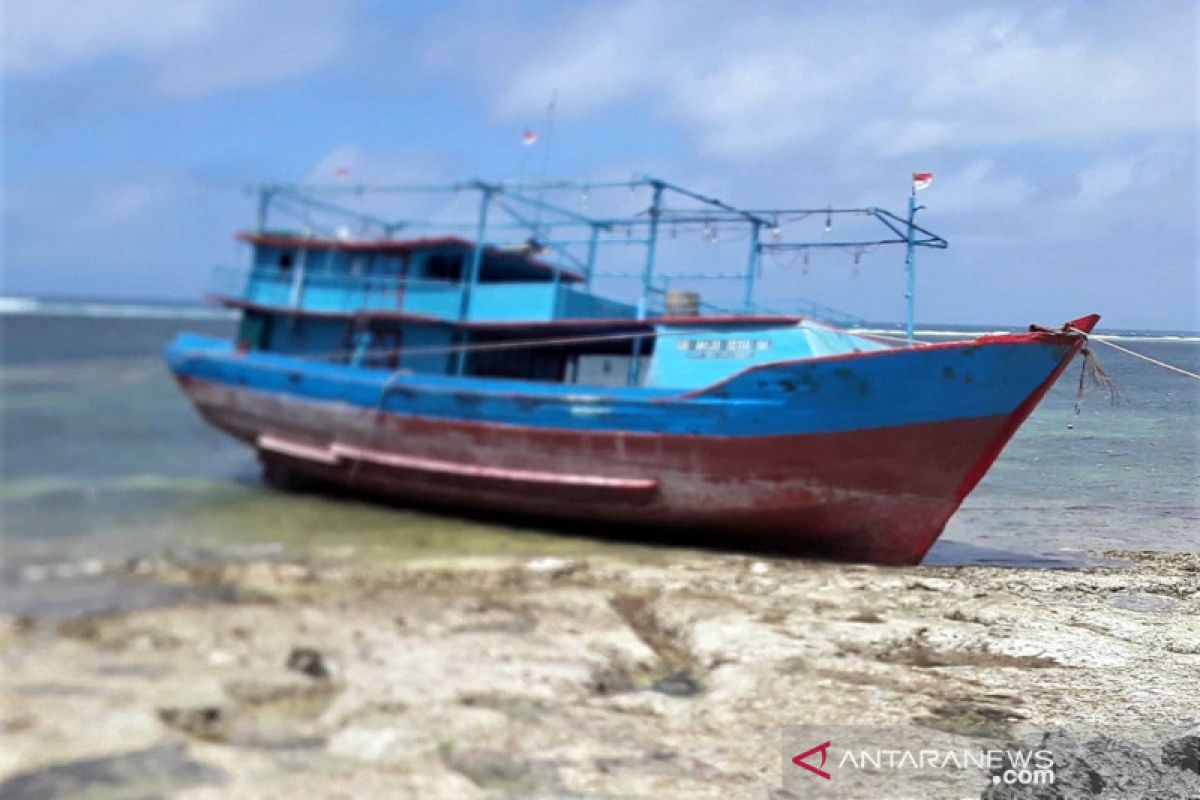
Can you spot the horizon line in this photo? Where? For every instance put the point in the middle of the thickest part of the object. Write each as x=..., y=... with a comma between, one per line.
x=14, y=304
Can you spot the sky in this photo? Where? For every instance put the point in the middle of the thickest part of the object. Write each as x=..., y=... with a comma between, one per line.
x=1062, y=135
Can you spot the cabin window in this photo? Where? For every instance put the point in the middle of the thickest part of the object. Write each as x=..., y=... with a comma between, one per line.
x=444, y=268
x=530, y=364
x=345, y=351
x=388, y=266
x=386, y=343
x=586, y=363
x=286, y=259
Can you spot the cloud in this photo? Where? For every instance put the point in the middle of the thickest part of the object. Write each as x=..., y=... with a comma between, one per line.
x=770, y=79
x=177, y=49
x=981, y=185
x=50, y=35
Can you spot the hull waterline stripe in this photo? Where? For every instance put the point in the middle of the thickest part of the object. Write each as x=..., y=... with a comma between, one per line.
x=290, y=447
x=432, y=465
x=338, y=454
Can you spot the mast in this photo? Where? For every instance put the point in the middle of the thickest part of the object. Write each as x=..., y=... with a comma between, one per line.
x=464, y=307
x=910, y=263
x=751, y=267
x=264, y=205
x=635, y=354
x=591, y=256
x=651, y=244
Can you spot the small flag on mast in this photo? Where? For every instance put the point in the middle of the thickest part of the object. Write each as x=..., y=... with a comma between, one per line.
x=529, y=137
x=922, y=180
x=341, y=172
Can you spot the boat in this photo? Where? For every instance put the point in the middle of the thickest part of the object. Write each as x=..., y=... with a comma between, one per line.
x=478, y=374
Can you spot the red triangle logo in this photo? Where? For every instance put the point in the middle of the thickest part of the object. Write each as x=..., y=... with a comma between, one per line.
x=823, y=749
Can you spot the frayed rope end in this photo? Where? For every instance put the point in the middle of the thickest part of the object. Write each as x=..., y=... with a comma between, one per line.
x=1092, y=368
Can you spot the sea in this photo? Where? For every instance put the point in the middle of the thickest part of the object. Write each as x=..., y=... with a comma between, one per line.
x=102, y=461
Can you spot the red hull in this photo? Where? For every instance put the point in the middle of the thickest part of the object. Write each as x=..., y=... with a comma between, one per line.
x=881, y=495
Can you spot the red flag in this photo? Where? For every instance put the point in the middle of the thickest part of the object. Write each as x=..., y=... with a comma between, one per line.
x=922, y=180
x=529, y=137
x=341, y=172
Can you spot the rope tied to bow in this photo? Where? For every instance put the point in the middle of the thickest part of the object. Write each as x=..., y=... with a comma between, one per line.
x=1100, y=379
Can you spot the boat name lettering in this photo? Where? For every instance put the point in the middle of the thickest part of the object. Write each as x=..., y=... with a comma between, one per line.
x=722, y=348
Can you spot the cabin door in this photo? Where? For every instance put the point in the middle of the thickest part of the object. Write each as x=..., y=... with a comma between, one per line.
x=255, y=332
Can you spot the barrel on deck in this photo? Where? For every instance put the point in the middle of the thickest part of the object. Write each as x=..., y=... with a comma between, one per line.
x=683, y=304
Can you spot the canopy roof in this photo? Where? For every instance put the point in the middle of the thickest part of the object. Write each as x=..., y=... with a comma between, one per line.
x=510, y=260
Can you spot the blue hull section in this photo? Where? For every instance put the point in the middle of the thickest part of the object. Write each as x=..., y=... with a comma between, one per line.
x=864, y=391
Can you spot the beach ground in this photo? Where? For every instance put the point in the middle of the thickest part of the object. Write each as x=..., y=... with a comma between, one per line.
x=590, y=678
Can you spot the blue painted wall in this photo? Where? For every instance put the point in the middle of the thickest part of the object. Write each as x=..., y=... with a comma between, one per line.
x=426, y=336
x=342, y=280
x=577, y=303
x=506, y=302
x=305, y=335
x=688, y=357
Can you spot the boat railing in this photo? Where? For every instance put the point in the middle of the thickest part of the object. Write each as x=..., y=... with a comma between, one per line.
x=318, y=290
x=236, y=279
x=322, y=290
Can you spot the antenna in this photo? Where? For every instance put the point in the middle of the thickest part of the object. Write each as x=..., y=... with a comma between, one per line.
x=550, y=109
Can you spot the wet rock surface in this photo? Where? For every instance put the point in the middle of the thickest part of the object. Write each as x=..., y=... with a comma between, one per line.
x=495, y=678
x=150, y=773
x=1183, y=753
x=83, y=592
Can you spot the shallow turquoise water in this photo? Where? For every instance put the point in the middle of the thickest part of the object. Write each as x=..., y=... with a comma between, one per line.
x=103, y=458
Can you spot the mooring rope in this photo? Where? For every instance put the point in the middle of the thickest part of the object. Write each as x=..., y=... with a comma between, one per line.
x=1091, y=363
x=516, y=344
x=1154, y=361
x=524, y=344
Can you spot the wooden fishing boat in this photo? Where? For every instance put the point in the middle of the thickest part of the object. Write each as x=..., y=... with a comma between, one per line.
x=458, y=372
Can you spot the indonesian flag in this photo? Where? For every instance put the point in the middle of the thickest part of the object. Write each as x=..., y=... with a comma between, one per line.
x=529, y=137
x=922, y=180
x=342, y=172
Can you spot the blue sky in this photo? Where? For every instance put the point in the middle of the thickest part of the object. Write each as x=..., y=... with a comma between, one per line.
x=1063, y=135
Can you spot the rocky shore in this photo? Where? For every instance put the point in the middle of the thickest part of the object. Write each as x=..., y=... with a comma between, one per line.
x=591, y=678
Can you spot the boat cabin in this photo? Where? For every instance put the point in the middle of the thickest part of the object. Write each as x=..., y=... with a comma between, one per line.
x=442, y=306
